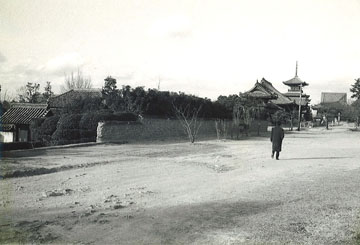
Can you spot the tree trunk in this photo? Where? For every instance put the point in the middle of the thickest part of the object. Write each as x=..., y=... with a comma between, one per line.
x=327, y=123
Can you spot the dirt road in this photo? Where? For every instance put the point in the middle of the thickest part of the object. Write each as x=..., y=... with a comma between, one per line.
x=212, y=192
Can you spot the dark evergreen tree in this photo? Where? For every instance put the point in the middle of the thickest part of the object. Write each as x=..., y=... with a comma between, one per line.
x=355, y=89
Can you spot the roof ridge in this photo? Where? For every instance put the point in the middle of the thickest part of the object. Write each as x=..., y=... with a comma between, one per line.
x=28, y=105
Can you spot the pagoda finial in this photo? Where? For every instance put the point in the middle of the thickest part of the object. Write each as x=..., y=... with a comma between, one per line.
x=296, y=69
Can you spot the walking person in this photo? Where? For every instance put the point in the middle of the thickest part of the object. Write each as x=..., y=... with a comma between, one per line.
x=277, y=136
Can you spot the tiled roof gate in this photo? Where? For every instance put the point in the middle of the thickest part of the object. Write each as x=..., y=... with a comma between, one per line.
x=23, y=113
x=329, y=97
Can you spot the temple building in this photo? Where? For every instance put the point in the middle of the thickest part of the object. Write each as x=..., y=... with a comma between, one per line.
x=266, y=91
x=288, y=101
x=15, y=122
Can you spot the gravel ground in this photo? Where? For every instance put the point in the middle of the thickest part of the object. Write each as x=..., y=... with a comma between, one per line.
x=212, y=192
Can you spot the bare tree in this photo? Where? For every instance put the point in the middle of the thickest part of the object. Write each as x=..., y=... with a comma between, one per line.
x=245, y=110
x=6, y=95
x=188, y=117
x=76, y=81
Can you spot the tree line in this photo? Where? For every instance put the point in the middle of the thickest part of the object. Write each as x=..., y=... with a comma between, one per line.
x=154, y=102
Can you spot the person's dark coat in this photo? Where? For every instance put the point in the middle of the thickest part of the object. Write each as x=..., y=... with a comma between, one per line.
x=277, y=135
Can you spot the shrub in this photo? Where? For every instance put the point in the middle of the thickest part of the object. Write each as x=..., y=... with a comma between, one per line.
x=49, y=125
x=67, y=129
x=46, y=129
x=35, y=129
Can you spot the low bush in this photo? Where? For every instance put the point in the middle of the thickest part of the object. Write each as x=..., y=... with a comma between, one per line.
x=49, y=125
x=35, y=129
x=67, y=129
x=45, y=130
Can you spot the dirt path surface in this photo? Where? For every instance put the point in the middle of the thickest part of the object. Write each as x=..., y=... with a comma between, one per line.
x=212, y=192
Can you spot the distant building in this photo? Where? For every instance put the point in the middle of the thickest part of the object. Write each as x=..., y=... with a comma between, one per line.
x=330, y=100
x=329, y=97
x=57, y=103
x=289, y=101
x=15, y=122
x=266, y=91
x=296, y=85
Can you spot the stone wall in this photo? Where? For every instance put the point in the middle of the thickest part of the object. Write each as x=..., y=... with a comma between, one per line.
x=155, y=129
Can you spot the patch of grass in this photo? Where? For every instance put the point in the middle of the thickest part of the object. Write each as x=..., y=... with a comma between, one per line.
x=26, y=232
x=10, y=235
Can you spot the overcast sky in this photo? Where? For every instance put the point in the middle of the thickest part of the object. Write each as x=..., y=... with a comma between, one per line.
x=203, y=47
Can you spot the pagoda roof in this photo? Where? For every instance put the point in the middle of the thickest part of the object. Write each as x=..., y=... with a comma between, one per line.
x=296, y=94
x=295, y=81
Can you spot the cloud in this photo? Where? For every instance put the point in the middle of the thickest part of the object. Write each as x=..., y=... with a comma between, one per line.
x=180, y=34
x=63, y=64
x=26, y=70
x=177, y=26
x=125, y=76
x=2, y=58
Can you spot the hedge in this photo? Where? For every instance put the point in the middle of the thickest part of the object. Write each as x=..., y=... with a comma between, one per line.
x=49, y=125
x=67, y=129
x=89, y=121
x=35, y=130
x=73, y=128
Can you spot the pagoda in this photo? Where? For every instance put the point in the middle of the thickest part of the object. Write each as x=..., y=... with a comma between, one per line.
x=295, y=92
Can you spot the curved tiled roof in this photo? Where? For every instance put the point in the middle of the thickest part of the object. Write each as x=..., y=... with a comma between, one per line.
x=281, y=99
x=62, y=99
x=329, y=97
x=266, y=88
x=23, y=113
x=295, y=81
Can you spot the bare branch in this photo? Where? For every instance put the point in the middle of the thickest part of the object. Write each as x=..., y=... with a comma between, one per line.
x=76, y=81
x=189, y=120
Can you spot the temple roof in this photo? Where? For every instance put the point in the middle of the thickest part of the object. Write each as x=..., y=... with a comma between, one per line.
x=295, y=81
x=259, y=91
x=264, y=89
x=23, y=113
x=61, y=100
x=327, y=97
x=281, y=99
x=261, y=95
